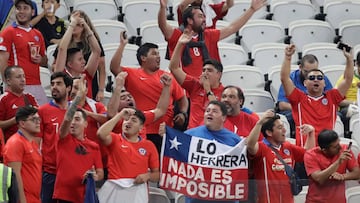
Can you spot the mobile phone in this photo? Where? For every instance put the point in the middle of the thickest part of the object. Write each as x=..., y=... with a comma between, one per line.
x=124, y=35
x=349, y=145
x=341, y=46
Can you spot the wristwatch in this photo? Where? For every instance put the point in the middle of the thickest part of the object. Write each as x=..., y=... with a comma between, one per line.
x=210, y=93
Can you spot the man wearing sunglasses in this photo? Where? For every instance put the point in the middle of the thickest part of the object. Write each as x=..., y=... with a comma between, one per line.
x=315, y=106
x=307, y=63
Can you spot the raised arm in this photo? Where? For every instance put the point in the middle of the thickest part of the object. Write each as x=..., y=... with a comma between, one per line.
x=104, y=131
x=238, y=23
x=113, y=104
x=165, y=28
x=70, y=112
x=184, y=4
x=174, y=64
x=115, y=65
x=308, y=130
x=252, y=139
x=164, y=98
x=4, y=57
x=64, y=43
x=345, y=84
x=7, y=123
x=98, y=117
x=285, y=70
x=102, y=78
x=227, y=5
x=93, y=62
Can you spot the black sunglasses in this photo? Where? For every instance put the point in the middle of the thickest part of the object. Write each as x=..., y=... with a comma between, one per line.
x=318, y=77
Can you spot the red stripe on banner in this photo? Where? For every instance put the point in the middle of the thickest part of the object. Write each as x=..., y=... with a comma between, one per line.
x=204, y=183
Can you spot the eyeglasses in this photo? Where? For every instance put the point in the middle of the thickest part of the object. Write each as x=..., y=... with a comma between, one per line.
x=313, y=77
x=34, y=119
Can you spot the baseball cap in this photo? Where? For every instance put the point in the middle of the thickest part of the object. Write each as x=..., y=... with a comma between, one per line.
x=28, y=2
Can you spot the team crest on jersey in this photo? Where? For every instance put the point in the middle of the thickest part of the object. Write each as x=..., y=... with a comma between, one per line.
x=36, y=38
x=142, y=151
x=324, y=101
x=58, y=28
x=287, y=152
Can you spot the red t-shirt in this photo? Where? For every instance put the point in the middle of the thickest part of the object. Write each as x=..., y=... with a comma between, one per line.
x=9, y=104
x=128, y=160
x=241, y=124
x=51, y=118
x=19, y=149
x=272, y=175
x=331, y=190
x=211, y=38
x=198, y=99
x=217, y=9
x=16, y=41
x=93, y=125
x=146, y=90
x=319, y=112
x=74, y=158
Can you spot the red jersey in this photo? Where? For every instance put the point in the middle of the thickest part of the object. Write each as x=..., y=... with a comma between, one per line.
x=128, y=160
x=51, y=118
x=198, y=99
x=241, y=124
x=331, y=190
x=2, y=144
x=146, y=90
x=211, y=38
x=74, y=158
x=17, y=42
x=217, y=9
x=9, y=103
x=20, y=149
x=320, y=112
x=271, y=178
x=93, y=125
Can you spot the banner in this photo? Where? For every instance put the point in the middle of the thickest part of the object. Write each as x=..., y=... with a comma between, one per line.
x=202, y=168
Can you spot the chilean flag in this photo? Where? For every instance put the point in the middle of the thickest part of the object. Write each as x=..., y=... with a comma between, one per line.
x=203, y=169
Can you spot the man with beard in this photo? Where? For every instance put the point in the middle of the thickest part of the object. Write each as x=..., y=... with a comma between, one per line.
x=315, y=107
x=237, y=120
x=204, y=41
x=143, y=83
x=307, y=63
x=76, y=154
x=212, y=11
x=12, y=99
x=52, y=115
x=23, y=46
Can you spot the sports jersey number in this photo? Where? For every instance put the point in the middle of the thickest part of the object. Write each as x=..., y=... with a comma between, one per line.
x=56, y=127
x=196, y=51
